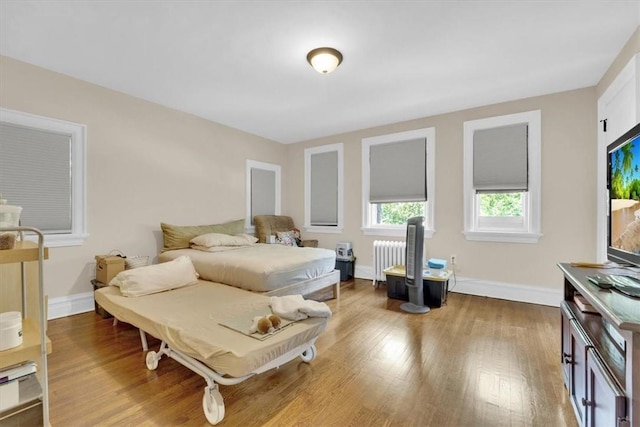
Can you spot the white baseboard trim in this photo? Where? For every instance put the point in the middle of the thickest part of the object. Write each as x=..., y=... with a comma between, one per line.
x=491, y=289
x=507, y=291
x=70, y=305
x=82, y=303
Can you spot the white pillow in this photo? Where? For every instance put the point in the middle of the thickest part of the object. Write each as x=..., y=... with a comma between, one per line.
x=156, y=278
x=287, y=238
x=218, y=239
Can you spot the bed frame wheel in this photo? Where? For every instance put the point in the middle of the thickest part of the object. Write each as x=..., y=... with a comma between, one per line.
x=152, y=360
x=309, y=354
x=213, y=405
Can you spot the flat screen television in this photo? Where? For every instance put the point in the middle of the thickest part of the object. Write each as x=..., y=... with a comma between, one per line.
x=623, y=185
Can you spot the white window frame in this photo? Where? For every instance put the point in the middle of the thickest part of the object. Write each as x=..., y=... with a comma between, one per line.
x=506, y=229
x=370, y=229
x=308, y=152
x=254, y=164
x=78, y=134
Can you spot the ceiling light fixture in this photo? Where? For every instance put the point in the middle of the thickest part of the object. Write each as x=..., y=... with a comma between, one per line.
x=324, y=59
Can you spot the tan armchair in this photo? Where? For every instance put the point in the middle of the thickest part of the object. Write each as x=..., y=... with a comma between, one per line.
x=269, y=225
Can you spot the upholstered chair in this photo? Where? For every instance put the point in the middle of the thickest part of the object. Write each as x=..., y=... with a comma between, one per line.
x=269, y=225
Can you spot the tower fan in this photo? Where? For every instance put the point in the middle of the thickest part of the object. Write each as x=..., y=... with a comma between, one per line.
x=413, y=273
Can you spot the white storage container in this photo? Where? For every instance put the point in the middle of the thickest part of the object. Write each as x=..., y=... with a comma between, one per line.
x=10, y=330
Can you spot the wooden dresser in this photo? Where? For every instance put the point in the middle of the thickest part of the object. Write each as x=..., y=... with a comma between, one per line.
x=600, y=350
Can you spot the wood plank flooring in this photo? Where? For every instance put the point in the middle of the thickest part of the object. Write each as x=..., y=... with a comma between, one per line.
x=474, y=362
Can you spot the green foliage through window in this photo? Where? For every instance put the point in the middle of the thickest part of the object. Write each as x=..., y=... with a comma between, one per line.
x=397, y=213
x=500, y=204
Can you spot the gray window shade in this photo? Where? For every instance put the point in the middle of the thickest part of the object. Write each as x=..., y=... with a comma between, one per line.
x=263, y=192
x=35, y=173
x=324, y=189
x=500, y=159
x=397, y=172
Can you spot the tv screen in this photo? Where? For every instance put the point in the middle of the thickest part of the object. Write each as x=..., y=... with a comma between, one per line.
x=623, y=184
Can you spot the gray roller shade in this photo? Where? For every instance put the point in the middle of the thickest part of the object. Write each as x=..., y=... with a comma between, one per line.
x=500, y=159
x=35, y=173
x=263, y=192
x=324, y=189
x=398, y=171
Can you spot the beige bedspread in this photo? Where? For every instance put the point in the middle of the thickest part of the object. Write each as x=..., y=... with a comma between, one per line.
x=260, y=267
x=188, y=319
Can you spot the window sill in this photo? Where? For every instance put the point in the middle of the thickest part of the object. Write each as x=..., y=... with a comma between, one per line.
x=323, y=229
x=393, y=232
x=502, y=236
x=60, y=240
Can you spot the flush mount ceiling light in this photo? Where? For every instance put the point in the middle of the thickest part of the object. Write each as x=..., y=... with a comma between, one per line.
x=324, y=59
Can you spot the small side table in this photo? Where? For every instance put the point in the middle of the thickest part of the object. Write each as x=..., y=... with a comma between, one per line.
x=346, y=267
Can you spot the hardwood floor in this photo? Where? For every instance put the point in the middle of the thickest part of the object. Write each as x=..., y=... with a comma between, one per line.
x=474, y=362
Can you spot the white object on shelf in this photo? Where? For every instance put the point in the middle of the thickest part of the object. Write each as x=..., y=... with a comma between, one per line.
x=10, y=330
x=18, y=372
x=9, y=395
x=344, y=251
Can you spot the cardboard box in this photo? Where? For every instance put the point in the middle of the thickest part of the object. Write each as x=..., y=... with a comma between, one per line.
x=107, y=266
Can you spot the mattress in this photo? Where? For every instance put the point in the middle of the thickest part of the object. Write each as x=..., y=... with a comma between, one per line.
x=260, y=267
x=188, y=320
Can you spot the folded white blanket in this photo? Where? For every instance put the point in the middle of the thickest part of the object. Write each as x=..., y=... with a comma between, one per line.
x=294, y=307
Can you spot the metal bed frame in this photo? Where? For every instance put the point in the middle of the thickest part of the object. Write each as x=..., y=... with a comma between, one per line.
x=212, y=401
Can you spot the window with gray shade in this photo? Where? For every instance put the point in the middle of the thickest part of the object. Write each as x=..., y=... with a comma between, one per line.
x=35, y=173
x=263, y=192
x=500, y=160
x=398, y=171
x=324, y=189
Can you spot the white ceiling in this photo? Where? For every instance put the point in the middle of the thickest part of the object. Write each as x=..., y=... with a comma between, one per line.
x=243, y=63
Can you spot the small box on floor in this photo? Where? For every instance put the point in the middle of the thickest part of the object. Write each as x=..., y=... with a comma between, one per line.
x=107, y=267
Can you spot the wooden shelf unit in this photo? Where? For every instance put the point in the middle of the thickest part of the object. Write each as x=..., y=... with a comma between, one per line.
x=600, y=351
x=35, y=344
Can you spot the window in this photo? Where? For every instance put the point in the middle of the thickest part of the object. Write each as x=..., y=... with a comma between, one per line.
x=323, y=183
x=263, y=191
x=502, y=178
x=398, y=181
x=42, y=169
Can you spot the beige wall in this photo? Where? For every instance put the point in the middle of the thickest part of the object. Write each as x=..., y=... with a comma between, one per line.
x=146, y=164
x=568, y=192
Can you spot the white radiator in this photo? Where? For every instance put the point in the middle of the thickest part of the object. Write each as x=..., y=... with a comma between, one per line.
x=386, y=253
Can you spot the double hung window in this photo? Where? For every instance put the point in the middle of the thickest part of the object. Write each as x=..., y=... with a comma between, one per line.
x=398, y=181
x=502, y=178
x=324, y=186
x=42, y=170
x=263, y=191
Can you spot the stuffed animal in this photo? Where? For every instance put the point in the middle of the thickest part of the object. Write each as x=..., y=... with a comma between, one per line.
x=275, y=321
x=265, y=324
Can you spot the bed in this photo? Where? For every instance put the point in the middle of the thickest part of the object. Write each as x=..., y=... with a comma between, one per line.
x=192, y=323
x=272, y=269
